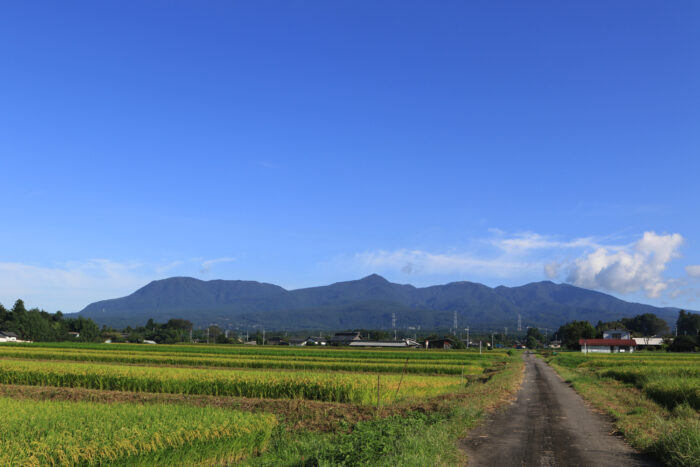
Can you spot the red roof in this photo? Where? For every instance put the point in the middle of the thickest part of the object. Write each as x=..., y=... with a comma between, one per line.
x=627, y=342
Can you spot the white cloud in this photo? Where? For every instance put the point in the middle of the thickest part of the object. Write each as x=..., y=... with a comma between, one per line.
x=69, y=286
x=630, y=269
x=72, y=285
x=693, y=271
x=423, y=262
x=527, y=241
x=208, y=264
x=551, y=270
x=599, y=263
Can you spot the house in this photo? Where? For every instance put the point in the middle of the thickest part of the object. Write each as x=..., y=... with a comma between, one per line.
x=404, y=343
x=276, y=340
x=7, y=336
x=444, y=343
x=649, y=342
x=146, y=341
x=74, y=334
x=613, y=341
x=344, y=338
x=311, y=340
x=297, y=342
x=616, y=334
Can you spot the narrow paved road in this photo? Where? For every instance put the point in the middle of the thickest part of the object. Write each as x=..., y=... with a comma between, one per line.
x=548, y=425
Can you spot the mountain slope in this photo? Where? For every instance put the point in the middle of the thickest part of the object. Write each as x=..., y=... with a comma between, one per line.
x=365, y=303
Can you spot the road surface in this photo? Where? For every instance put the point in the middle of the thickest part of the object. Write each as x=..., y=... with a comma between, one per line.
x=548, y=425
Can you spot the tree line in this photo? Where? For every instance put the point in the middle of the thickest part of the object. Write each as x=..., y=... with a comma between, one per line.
x=39, y=325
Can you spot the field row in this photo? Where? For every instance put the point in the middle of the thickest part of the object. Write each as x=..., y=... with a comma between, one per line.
x=354, y=388
x=336, y=353
x=312, y=362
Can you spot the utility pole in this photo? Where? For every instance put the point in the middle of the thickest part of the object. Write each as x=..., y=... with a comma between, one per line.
x=263, y=342
x=454, y=321
x=207, y=334
x=492, y=341
x=479, y=347
x=467, y=329
x=520, y=323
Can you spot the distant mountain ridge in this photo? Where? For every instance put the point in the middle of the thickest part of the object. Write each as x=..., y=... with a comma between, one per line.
x=364, y=303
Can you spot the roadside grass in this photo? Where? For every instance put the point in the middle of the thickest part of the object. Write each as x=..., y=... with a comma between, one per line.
x=668, y=431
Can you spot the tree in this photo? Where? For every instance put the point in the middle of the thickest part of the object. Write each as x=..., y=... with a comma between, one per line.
x=688, y=324
x=647, y=324
x=534, y=338
x=682, y=344
x=177, y=323
x=571, y=333
x=4, y=316
x=88, y=330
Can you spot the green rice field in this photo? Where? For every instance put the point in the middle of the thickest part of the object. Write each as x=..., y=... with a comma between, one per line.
x=668, y=379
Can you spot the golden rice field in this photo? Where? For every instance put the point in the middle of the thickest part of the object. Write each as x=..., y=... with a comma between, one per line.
x=323, y=386
x=311, y=361
x=68, y=431
x=36, y=433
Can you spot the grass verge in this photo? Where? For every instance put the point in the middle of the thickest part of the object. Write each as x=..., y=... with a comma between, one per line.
x=670, y=435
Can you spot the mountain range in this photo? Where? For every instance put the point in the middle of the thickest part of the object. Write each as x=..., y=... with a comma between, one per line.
x=368, y=303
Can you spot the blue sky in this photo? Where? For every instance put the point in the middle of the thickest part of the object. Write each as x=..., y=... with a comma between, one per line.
x=303, y=143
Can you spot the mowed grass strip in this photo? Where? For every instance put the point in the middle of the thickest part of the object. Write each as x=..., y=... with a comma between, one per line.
x=332, y=387
x=83, y=433
x=453, y=367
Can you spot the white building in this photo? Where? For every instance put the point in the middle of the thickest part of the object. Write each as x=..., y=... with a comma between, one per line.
x=649, y=341
x=390, y=344
x=7, y=336
x=613, y=341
